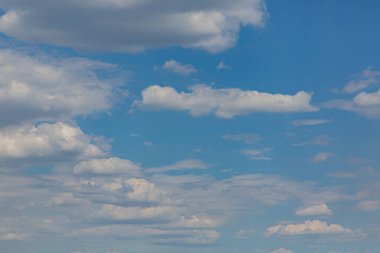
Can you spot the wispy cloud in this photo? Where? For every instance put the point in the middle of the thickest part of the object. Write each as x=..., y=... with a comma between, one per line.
x=243, y=137
x=309, y=122
x=317, y=209
x=321, y=157
x=257, y=154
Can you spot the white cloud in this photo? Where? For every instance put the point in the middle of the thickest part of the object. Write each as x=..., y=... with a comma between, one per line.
x=309, y=122
x=44, y=88
x=181, y=165
x=108, y=166
x=321, y=157
x=281, y=250
x=318, y=209
x=105, y=25
x=224, y=103
x=364, y=99
x=308, y=227
x=243, y=137
x=179, y=68
x=144, y=191
x=47, y=142
x=366, y=103
x=257, y=154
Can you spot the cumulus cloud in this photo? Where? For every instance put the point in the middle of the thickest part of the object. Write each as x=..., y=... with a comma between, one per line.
x=224, y=103
x=35, y=88
x=308, y=227
x=47, y=142
x=181, y=165
x=318, y=209
x=125, y=26
x=179, y=68
x=107, y=166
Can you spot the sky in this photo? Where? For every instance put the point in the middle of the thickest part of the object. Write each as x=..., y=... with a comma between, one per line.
x=166, y=126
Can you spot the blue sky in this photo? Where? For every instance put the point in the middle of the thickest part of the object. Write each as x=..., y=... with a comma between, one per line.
x=176, y=126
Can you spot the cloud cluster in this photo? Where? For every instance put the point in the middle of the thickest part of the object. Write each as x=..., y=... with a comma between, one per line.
x=47, y=143
x=109, y=166
x=365, y=101
x=125, y=26
x=37, y=88
x=224, y=103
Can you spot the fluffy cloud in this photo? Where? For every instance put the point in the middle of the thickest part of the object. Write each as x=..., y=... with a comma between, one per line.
x=319, y=209
x=131, y=25
x=109, y=166
x=179, y=68
x=308, y=227
x=224, y=103
x=44, y=88
x=46, y=142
